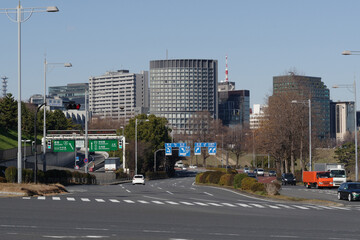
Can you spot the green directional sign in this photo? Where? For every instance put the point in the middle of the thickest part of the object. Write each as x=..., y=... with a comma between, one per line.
x=103, y=145
x=64, y=145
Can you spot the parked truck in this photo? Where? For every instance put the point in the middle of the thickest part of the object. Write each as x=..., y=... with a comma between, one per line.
x=317, y=179
x=337, y=171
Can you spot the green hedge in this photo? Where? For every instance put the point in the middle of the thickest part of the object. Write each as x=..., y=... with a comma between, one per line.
x=227, y=179
x=247, y=183
x=238, y=179
x=11, y=174
x=214, y=177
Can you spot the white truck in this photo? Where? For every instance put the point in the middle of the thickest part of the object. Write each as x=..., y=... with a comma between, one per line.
x=111, y=164
x=337, y=171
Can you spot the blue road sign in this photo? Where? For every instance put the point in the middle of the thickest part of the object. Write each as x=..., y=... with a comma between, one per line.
x=187, y=154
x=212, y=150
x=86, y=160
x=182, y=151
x=211, y=144
x=197, y=151
x=168, y=151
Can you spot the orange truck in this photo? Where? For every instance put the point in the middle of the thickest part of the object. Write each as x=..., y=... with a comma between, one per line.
x=317, y=179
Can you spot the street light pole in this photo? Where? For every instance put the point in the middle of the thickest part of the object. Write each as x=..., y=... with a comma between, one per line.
x=19, y=11
x=355, y=123
x=44, y=127
x=155, y=158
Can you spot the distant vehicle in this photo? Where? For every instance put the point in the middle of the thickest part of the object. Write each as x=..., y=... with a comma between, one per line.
x=138, y=179
x=111, y=164
x=288, y=178
x=337, y=171
x=184, y=168
x=192, y=166
x=246, y=170
x=349, y=191
x=317, y=179
x=252, y=175
x=272, y=173
x=179, y=164
x=255, y=171
x=260, y=172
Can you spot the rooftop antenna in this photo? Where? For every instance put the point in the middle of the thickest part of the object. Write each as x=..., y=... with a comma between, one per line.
x=4, y=85
x=226, y=71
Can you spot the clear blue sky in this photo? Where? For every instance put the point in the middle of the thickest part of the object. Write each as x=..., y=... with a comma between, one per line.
x=263, y=38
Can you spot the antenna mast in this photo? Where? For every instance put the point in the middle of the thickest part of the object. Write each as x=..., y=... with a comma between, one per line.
x=4, y=85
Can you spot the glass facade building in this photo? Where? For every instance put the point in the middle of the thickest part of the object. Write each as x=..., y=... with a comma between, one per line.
x=71, y=92
x=308, y=88
x=181, y=87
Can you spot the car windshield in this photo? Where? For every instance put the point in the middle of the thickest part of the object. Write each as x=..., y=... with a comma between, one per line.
x=260, y=170
x=288, y=175
x=138, y=176
x=354, y=186
x=337, y=173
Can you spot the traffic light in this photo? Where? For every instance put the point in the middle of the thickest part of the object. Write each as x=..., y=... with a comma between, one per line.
x=120, y=144
x=49, y=144
x=72, y=105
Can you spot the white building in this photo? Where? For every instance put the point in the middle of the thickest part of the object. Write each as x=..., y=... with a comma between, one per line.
x=257, y=115
x=119, y=95
x=344, y=119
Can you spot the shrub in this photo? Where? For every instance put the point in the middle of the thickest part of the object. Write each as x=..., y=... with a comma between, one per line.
x=227, y=180
x=27, y=175
x=214, y=177
x=238, y=179
x=120, y=174
x=203, y=177
x=198, y=176
x=247, y=183
x=258, y=187
x=11, y=174
x=272, y=188
x=2, y=180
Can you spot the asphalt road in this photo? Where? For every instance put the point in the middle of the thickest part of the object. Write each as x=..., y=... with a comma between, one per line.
x=171, y=209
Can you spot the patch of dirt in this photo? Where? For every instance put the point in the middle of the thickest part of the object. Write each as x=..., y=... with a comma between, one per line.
x=14, y=189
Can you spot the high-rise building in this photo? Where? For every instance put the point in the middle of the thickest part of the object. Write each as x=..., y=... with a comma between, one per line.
x=179, y=88
x=308, y=88
x=234, y=105
x=119, y=95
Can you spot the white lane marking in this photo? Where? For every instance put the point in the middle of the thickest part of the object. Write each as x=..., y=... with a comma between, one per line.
x=209, y=194
x=56, y=198
x=272, y=206
x=99, y=200
x=26, y=197
x=283, y=236
x=94, y=229
x=159, y=188
x=257, y=205
x=244, y=205
x=157, y=202
x=301, y=207
x=128, y=191
x=114, y=200
x=215, y=204
x=142, y=201
x=285, y=206
x=228, y=204
x=172, y=203
x=85, y=199
x=41, y=198
x=129, y=201
x=201, y=204
x=187, y=203
x=314, y=207
x=169, y=192
x=70, y=199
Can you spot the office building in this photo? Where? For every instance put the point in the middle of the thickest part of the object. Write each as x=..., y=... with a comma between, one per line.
x=71, y=92
x=119, y=95
x=257, y=115
x=342, y=120
x=312, y=88
x=234, y=105
x=179, y=88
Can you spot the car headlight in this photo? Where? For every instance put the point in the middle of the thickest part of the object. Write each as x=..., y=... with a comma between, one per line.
x=285, y=179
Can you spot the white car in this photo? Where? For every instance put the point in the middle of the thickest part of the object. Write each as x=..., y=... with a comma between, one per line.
x=138, y=179
x=192, y=166
x=260, y=172
x=246, y=170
